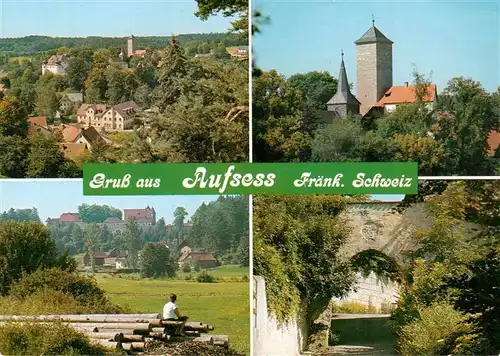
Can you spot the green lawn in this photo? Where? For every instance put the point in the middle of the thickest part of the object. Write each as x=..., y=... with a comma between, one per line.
x=225, y=305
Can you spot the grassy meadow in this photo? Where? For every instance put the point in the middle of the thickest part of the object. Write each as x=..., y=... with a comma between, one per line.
x=225, y=304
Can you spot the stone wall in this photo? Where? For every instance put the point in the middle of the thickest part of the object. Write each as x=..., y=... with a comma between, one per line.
x=373, y=73
x=366, y=75
x=376, y=225
x=269, y=337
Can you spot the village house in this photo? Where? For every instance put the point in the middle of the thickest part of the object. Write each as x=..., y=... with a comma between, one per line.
x=73, y=218
x=38, y=125
x=99, y=258
x=198, y=258
x=238, y=53
x=70, y=102
x=145, y=216
x=110, y=118
x=56, y=64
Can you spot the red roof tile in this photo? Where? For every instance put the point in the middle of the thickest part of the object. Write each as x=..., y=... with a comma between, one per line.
x=38, y=121
x=69, y=217
x=405, y=94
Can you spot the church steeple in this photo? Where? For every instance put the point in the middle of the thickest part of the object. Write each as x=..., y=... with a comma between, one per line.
x=343, y=102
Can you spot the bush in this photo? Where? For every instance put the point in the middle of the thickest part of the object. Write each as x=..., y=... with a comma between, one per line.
x=204, y=277
x=197, y=267
x=84, y=290
x=186, y=267
x=25, y=247
x=43, y=301
x=39, y=339
x=353, y=308
x=434, y=333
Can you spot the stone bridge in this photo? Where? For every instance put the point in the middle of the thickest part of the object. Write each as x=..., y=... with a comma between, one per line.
x=376, y=225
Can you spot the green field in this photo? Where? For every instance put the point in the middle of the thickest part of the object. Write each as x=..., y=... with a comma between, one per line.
x=226, y=305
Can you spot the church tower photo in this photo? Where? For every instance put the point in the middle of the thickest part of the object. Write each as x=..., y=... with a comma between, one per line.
x=373, y=67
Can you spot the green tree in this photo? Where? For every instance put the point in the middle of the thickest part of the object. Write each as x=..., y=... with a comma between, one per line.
x=156, y=262
x=97, y=213
x=79, y=68
x=132, y=241
x=180, y=214
x=173, y=67
x=92, y=241
x=14, y=156
x=231, y=8
x=12, y=117
x=21, y=215
x=25, y=247
x=45, y=158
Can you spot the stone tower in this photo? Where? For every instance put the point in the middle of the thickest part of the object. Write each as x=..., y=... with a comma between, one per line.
x=130, y=46
x=343, y=102
x=374, y=67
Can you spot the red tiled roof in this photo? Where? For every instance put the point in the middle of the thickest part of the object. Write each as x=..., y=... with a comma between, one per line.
x=138, y=214
x=70, y=132
x=405, y=94
x=73, y=150
x=493, y=141
x=38, y=121
x=201, y=256
x=69, y=217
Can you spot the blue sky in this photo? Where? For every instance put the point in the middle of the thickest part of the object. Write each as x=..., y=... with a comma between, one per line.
x=448, y=38
x=104, y=18
x=52, y=198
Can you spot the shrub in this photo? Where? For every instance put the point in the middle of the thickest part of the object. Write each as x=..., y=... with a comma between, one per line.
x=434, y=333
x=197, y=267
x=353, y=308
x=39, y=339
x=43, y=301
x=84, y=289
x=186, y=267
x=204, y=277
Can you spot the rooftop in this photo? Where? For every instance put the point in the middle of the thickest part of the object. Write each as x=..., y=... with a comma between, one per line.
x=406, y=94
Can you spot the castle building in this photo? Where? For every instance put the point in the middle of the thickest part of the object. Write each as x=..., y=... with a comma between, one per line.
x=56, y=64
x=375, y=93
x=343, y=102
x=130, y=46
x=373, y=67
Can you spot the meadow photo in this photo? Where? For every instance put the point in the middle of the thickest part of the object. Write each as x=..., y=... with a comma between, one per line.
x=378, y=81
x=144, y=81
x=94, y=275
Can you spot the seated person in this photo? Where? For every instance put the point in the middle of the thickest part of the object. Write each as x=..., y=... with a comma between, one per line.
x=170, y=312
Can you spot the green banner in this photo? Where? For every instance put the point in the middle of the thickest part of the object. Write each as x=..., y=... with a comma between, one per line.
x=250, y=178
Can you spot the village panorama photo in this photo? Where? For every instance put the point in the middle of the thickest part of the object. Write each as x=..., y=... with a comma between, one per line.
x=170, y=86
x=106, y=275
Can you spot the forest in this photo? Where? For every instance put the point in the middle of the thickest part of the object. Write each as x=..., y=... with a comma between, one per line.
x=219, y=227
x=34, y=45
x=451, y=139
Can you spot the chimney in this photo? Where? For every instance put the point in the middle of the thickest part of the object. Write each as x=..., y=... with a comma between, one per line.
x=406, y=84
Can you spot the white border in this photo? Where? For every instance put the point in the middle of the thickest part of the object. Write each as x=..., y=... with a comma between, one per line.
x=250, y=159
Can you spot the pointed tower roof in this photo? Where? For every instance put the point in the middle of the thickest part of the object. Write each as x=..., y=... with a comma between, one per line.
x=373, y=35
x=343, y=94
